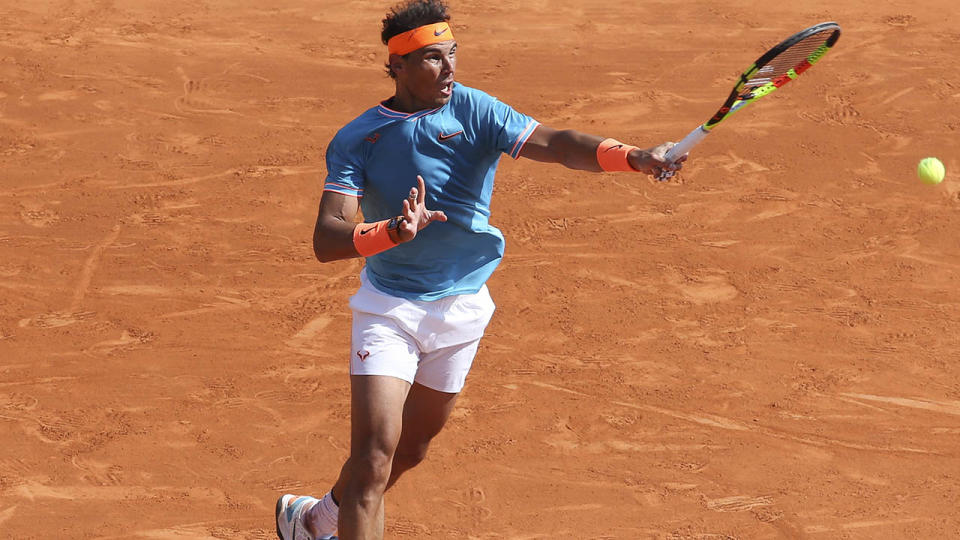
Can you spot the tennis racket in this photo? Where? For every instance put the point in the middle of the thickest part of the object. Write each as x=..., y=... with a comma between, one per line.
x=778, y=66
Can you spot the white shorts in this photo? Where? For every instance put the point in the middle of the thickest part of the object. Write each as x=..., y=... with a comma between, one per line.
x=431, y=343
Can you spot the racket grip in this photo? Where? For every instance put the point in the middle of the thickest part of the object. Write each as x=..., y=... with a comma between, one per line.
x=686, y=144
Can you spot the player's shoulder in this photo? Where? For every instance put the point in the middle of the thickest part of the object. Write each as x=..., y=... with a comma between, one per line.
x=466, y=95
x=356, y=130
x=472, y=102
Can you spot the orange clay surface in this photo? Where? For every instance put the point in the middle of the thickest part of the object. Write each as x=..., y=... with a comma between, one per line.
x=765, y=347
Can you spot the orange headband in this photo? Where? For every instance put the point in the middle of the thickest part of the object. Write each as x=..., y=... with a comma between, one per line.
x=422, y=36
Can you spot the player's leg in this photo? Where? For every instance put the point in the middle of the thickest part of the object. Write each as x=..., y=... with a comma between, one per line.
x=383, y=365
x=424, y=415
x=430, y=400
x=375, y=427
x=377, y=404
x=440, y=378
x=382, y=347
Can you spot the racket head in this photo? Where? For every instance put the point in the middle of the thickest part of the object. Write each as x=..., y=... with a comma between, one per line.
x=781, y=64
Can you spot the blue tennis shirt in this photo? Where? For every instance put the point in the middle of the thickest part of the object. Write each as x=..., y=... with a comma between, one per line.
x=456, y=149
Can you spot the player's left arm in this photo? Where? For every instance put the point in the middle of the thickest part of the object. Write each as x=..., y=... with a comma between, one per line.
x=578, y=150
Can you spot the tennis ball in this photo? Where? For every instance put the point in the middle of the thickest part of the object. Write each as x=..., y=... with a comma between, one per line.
x=931, y=171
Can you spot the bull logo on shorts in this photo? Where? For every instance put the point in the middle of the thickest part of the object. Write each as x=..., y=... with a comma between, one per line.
x=362, y=355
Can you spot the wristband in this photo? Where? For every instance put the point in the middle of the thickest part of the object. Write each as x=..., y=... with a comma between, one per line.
x=373, y=238
x=612, y=156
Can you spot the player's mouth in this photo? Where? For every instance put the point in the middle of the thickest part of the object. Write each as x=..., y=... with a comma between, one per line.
x=446, y=88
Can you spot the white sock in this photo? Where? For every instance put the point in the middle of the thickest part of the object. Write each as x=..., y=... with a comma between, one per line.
x=322, y=517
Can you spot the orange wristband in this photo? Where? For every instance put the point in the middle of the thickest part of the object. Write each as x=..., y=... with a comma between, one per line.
x=372, y=238
x=612, y=156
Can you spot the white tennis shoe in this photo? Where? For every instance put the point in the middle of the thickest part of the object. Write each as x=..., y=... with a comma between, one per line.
x=290, y=511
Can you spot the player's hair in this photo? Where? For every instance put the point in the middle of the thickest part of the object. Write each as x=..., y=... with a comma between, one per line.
x=409, y=15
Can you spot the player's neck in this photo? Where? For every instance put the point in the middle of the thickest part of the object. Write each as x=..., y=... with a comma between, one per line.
x=404, y=101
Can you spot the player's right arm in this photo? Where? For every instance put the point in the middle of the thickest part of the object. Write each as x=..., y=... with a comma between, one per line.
x=335, y=234
x=577, y=150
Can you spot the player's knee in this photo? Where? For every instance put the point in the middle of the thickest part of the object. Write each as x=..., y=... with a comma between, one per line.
x=410, y=457
x=371, y=470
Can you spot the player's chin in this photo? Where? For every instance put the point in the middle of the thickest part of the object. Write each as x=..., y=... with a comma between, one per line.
x=440, y=101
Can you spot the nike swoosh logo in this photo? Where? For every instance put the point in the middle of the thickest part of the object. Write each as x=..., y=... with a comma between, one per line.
x=366, y=231
x=613, y=148
x=441, y=137
x=440, y=32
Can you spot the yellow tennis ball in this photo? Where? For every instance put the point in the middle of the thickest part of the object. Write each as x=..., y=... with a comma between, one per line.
x=931, y=171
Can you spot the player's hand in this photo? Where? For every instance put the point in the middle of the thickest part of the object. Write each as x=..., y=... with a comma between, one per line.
x=415, y=213
x=653, y=160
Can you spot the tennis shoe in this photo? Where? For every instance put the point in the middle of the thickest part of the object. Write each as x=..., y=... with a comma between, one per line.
x=290, y=511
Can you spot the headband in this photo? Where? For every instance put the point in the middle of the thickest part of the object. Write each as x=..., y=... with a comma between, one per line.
x=422, y=36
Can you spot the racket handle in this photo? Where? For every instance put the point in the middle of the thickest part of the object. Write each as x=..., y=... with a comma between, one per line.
x=686, y=144
x=682, y=148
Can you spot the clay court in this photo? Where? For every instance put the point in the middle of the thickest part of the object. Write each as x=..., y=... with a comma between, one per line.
x=764, y=347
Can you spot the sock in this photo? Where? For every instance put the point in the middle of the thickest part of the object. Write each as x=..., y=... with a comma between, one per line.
x=322, y=518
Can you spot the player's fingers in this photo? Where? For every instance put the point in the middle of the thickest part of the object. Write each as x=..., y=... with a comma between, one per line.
x=409, y=226
x=438, y=215
x=412, y=199
x=422, y=189
x=662, y=150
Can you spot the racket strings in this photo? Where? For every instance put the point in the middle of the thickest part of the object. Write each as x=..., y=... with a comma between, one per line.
x=791, y=58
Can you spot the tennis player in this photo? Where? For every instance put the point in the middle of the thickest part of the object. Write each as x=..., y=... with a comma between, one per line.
x=420, y=166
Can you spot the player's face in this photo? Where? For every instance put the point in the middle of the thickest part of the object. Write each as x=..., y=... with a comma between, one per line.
x=426, y=75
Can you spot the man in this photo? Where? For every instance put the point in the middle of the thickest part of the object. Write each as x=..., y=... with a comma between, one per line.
x=420, y=165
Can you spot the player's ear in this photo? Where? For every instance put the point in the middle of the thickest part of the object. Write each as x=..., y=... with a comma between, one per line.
x=396, y=63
